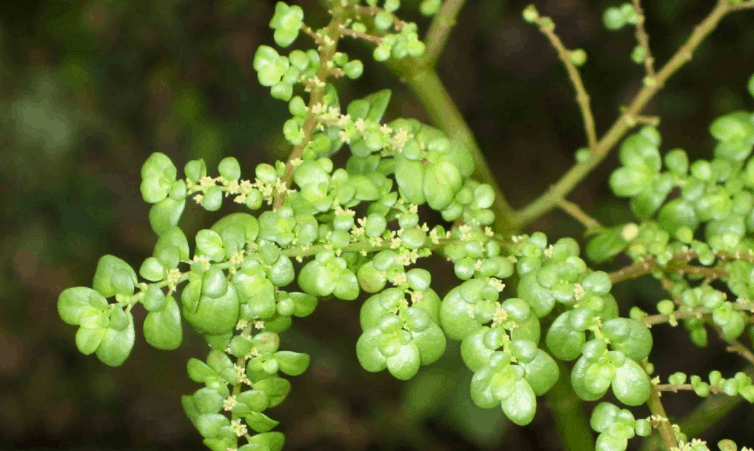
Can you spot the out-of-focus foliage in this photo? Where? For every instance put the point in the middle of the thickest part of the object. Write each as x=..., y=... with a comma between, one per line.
x=88, y=89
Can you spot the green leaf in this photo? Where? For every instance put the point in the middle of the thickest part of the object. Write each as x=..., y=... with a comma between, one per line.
x=347, y=287
x=358, y=109
x=541, y=373
x=173, y=238
x=211, y=425
x=370, y=357
x=579, y=383
x=74, y=303
x=210, y=244
x=267, y=342
x=645, y=204
x=305, y=304
x=430, y=342
x=281, y=273
x=405, y=364
x=116, y=345
x=154, y=298
x=481, y=392
x=309, y=172
x=214, y=316
x=521, y=406
x=266, y=63
x=475, y=353
x=366, y=190
x=607, y=244
x=317, y=279
x=628, y=336
x=165, y=214
x=152, y=270
x=118, y=318
x=187, y=402
x=732, y=127
x=198, y=371
x=256, y=400
x=523, y=350
x=539, y=298
x=603, y=416
x=409, y=174
x=630, y=181
x=89, y=339
x=207, y=400
x=677, y=213
x=378, y=102
x=245, y=221
x=114, y=276
x=229, y=168
x=195, y=170
x=631, y=384
x=440, y=185
x=370, y=279
x=212, y=199
x=640, y=152
x=214, y=282
x=163, y=328
x=607, y=442
x=455, y=318
x=253, y=447
x=272, y=440
x=260, y=422
x=292, y=363
x=276, y=389
x=158, y=174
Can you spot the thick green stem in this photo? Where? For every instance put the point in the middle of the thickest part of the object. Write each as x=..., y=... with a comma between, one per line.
x=570, y=420
x=438, y=104
x=439, y=30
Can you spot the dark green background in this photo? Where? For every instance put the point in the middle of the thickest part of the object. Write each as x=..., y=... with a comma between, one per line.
x=89, y=89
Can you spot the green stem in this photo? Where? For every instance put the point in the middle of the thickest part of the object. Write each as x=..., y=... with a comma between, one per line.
x=625, y=122
x=570, y=420
x=578, y=214
x=666, y=430
x=439, y=30
x=438, y=104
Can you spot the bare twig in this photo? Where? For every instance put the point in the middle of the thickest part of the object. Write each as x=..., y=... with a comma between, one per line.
x=678, y=264
x=578, y=214
x=643, y=39
x=547, y=26
x=576, y=174
x=697, y=313
x=734, y=345
x=685, y=387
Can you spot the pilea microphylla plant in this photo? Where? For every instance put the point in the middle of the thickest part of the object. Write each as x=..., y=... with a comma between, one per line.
x=306, y=230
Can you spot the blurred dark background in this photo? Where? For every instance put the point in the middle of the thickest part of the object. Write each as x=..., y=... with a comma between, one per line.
x=88, y=89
